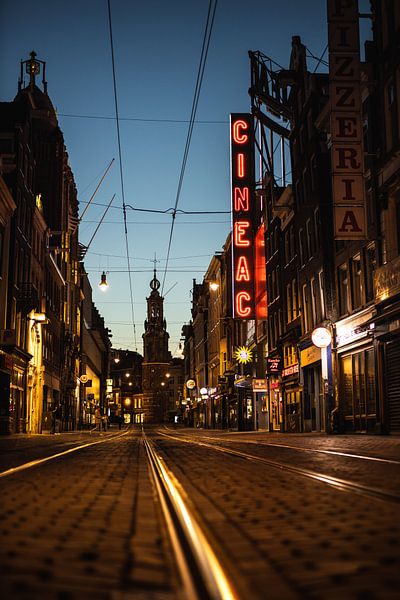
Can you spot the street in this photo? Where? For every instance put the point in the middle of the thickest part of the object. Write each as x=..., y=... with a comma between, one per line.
x=287, y=516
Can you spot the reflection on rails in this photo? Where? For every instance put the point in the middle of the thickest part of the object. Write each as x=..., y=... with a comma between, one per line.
x=336, y=482
x=200, y=570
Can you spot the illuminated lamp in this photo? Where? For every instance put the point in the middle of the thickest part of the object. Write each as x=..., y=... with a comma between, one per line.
x=214, y=285
x=243, y=354
x=103, y=285
x=321, y=337
x=39, y=317
x=203, y=391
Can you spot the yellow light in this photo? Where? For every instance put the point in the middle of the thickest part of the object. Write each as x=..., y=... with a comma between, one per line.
x=243, y=354
x=162, y=383
x=103, y=285
x=214, y=286
x=167, y=374
x=127, y=401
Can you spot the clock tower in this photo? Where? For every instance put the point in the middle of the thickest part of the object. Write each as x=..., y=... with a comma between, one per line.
x=156, y=357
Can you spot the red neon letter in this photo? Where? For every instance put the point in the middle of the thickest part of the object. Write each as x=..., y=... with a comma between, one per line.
x=240, y=165
x=241, y=198
x=242, y=270
x=238, y=137
x=241, y=310
x=240, y=232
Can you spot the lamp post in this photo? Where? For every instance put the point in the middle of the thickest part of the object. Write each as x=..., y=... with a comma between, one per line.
x=322, y=338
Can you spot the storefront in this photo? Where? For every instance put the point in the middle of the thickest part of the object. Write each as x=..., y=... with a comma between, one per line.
x=6, y=367
x=292, y=394
x=313, y=392
x=356, y=374
x=246, y=404
x=387, y=334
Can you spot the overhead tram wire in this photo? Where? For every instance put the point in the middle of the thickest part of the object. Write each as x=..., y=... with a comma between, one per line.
x=199, y=80
x=121, y=171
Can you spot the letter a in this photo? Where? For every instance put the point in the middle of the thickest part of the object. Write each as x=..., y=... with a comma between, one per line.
x=349, y=220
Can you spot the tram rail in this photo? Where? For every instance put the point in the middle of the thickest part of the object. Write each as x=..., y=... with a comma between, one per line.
x=335, y=482
x=303, y=449
x=201, y=573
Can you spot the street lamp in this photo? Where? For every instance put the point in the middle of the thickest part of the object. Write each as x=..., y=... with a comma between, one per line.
x=103, y=285
x=322, y=338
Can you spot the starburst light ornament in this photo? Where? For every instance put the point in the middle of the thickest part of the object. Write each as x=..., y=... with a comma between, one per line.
x=243, y=354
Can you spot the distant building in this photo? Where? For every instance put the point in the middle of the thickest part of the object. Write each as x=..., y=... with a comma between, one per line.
x=156, y=358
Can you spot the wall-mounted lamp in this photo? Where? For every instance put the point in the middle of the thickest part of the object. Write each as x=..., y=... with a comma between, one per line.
x=39, y=317
x=214, y=285
x=103, y=285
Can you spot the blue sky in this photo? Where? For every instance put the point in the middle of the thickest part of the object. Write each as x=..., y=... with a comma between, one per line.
x=157, y=48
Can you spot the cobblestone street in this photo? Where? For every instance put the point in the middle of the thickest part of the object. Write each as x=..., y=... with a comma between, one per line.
x=87, y=524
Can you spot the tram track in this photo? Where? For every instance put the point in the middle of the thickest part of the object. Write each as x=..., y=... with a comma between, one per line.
x=39, y=461
x=303, y=449
x=201, y=573
x=335, y=482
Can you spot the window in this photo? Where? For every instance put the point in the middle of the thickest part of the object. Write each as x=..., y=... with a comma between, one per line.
x=294, y=299
x=343, y=284
x=301, y=247
x=391, y=116
x=289, y=313
x=322, y=293
x=356, y=282
x=317, y=228
x=314, y=303
x=370, y=265
x=287, y=247
x=310, y=238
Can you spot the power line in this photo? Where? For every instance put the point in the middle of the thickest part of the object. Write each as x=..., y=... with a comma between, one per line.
x=141, y=120
x=120, y=169
x=199, y=80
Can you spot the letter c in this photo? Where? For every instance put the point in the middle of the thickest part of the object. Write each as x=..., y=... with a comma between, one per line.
x=237, y=135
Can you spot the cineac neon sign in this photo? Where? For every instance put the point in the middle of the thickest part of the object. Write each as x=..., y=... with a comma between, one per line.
x=242, y=181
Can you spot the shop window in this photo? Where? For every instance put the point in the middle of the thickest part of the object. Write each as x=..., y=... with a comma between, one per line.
x=357, y=383
x=343, y=284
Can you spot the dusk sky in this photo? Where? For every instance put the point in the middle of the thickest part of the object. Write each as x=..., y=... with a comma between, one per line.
x=157, y=48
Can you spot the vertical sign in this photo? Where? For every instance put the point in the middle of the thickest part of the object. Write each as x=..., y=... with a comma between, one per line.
x=346, y=124
x=260, y=275
x=242, y=181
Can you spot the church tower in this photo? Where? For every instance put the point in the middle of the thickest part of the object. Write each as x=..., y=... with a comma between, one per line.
x=156, y=357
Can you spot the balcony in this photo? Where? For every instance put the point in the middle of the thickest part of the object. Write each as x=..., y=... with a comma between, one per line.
x=27, y=298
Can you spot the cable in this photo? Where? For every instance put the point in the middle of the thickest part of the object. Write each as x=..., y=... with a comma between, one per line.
x=199, y=80
x=120, y=170
x=139, y=120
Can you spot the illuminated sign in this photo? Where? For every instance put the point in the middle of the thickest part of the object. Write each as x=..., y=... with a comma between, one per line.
x=243, y=354
x=347, y=152
x=260, y=275
x=273, y=365
x=290, y=370
x=242, y=181
x=190, y=384
x=260, y=385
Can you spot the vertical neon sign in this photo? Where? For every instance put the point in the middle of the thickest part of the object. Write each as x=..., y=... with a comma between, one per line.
x=242, y=182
